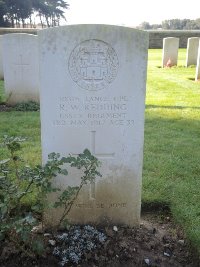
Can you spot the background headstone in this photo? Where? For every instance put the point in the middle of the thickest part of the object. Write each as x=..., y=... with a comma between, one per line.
x=197, y=76
x=170, y=51
x=192, y=51
x=21, y=69
x=1, y=58
x=93, y=80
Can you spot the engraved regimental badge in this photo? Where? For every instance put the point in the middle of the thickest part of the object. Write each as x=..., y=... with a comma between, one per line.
x=93, y=64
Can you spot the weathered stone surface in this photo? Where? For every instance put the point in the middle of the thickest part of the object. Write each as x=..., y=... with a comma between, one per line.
x=197, y=76
x=192, y=51
x=93, y=80
x=21, y=69
x=1, y=59
x=170, y=51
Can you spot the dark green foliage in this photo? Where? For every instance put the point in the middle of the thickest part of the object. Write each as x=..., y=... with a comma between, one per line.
x=181, y=24
x=2, y=95
x=18, y=180
x=27, y=106
x=50, y=11
x=172, y=24
x=88, y=164
x=14, y=12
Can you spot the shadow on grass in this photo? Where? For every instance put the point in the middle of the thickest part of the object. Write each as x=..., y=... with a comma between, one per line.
x=171, y=107
x=172, y=67
x=156, y=207
x=171, y=168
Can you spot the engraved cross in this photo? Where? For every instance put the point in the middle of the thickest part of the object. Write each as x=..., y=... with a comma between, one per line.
x=98, y=155
x=21, y=66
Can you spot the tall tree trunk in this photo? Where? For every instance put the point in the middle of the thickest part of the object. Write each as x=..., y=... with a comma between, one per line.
x=47, y=21
x=30, y=21
x=12, y=22
x=41, y=21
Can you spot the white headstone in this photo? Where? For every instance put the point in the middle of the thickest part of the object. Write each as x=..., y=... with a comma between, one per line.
x=170, y=51
x=21, y=69
x=192, y=51
x=1, y=58
x=93, y=80
x=197, y=76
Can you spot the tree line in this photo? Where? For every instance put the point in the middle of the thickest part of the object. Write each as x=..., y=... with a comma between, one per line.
x=172, y=24
x=14, y=13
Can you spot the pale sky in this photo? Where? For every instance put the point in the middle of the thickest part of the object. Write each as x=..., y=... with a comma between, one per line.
x=130, y=12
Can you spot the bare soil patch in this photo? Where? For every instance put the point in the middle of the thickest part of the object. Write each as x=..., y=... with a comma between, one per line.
x=156, y=242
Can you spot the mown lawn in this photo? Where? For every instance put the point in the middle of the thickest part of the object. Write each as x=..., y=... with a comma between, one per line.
x=171, y=174
x=2, y=95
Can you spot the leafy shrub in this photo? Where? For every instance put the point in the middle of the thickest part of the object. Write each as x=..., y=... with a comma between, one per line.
x=27, y=106
x=17, y=180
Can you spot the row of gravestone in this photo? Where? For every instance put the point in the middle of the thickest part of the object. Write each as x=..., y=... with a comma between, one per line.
x=92, y=83
x=170, y=53
x=20, y=67
x=19, y=64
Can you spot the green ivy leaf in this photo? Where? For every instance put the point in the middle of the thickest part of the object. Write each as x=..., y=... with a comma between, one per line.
x=87, y=153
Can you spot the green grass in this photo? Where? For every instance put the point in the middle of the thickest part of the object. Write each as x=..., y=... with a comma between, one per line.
x=171, y=173
x=2, y=95
x=24, y=124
